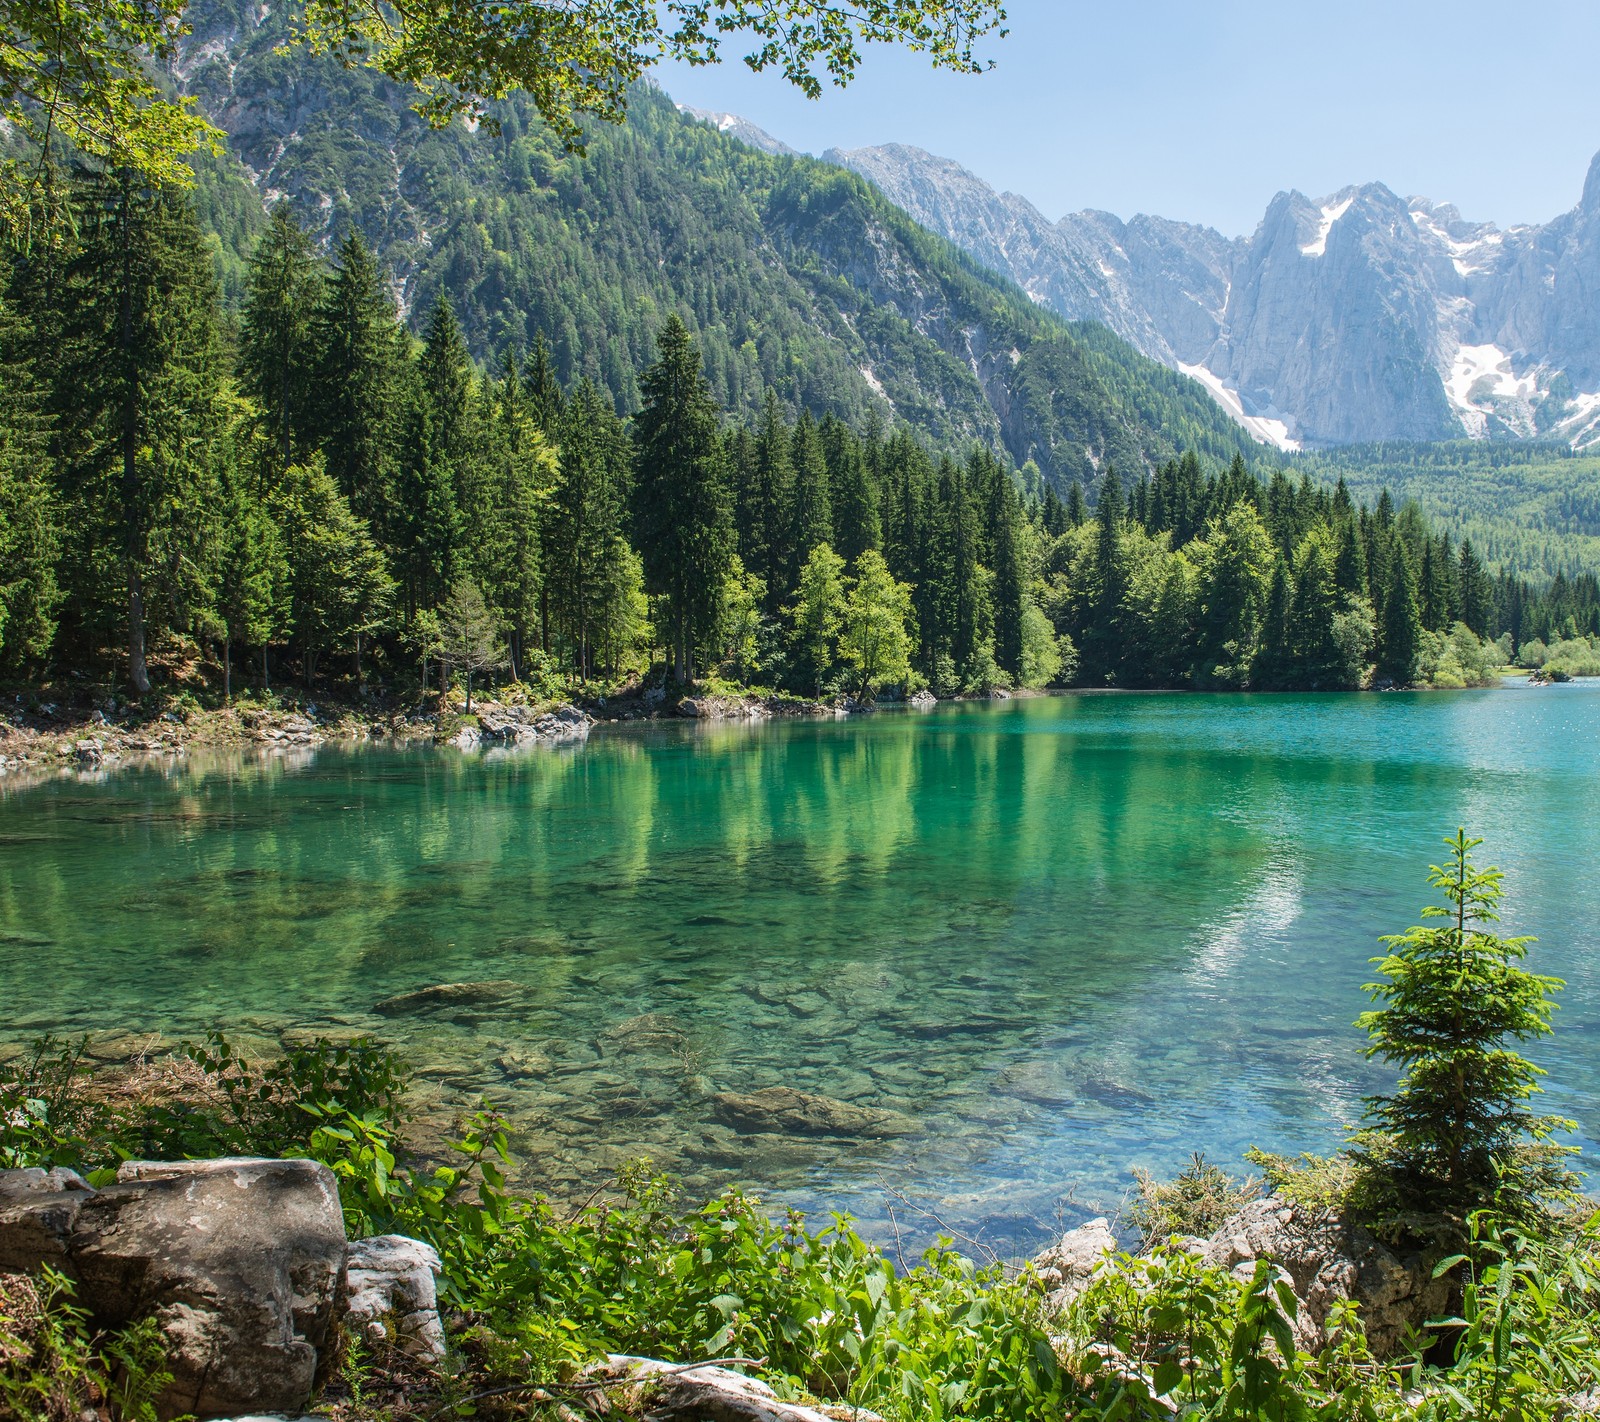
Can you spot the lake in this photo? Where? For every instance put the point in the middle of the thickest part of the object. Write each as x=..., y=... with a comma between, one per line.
x=1056, y=938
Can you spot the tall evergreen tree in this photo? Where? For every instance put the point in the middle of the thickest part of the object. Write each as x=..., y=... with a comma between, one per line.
x=812, y=523
x=1401, y=640
x=137, y=383
x=681, y=510
x=358, y=382
x=30, y=535
x=276, y=351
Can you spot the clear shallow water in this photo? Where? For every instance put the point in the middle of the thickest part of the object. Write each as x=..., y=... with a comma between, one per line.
x=1065, y=936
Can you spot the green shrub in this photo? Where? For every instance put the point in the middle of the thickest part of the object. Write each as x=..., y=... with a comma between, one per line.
x=1196, y=1202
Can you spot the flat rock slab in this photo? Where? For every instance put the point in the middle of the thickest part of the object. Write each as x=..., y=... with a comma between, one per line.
x=786, y=1111
x=443, y=996
x=671, y=1393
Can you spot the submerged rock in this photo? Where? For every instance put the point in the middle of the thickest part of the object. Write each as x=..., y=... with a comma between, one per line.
x=784, y=1110
x=447, y=995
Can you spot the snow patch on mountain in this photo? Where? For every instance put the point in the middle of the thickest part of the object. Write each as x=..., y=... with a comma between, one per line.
x=1481, y=379
x=1271, y=428
x=741, y=129
x=1318, y=246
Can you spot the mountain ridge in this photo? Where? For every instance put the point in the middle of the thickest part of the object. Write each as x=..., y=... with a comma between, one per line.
x=792, y=273
x=1355, y=317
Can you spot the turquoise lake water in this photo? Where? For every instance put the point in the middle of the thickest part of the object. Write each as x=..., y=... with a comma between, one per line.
x=1063, y=936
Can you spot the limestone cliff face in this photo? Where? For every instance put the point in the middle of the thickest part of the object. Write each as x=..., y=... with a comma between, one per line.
x=1361, y=316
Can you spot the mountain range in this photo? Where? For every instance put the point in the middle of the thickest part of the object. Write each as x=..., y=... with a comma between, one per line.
x=793, y=274
x=1359, y=316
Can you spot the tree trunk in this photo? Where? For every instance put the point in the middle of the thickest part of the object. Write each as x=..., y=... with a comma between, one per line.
x=469, y=691
x=227, y=671
x=138, y=670
x=265, y=684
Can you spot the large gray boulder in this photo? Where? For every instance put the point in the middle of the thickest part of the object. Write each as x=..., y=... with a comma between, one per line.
x=1066, y=1267
x=700, y=1394
x=1328, y=1259
x=238, y=1261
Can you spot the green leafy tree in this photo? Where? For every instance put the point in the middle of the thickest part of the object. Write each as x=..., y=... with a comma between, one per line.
x=1457, y=1133
x=339, y=581
x=876, y=641
x=818, y=614
x=469, y=637
x=681, y=510
x=81, y=75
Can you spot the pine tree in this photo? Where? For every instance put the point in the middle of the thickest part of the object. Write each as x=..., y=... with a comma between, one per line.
x=1457, y=1134
x=681, y=510
x=358, y=382
x=812, y=522
x=30, y=537
x=137, y=396
x=1107, y=586
x=856, y=524
x=585, y=519
x=276, y=351
x=769, y=502
x=469, y=638
x=1401, y=641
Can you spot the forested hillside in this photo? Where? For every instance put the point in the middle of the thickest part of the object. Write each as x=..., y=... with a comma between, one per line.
x=791, y=274
x=1532, y=508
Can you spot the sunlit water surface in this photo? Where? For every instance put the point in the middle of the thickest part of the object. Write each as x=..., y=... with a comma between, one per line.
x=1065, y=936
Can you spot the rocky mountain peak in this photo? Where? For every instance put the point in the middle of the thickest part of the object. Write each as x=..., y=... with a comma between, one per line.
x=1357, y=316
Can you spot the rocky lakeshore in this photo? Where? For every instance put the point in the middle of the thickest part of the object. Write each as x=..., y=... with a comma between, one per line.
x=242, y=1268
x=39, y=734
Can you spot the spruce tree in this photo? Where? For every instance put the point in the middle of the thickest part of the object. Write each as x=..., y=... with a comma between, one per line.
x=812, y=521
x=358, y=382
x=1401, y=641
x=138, y=400
x=585, y=520
x=681, y=509
x=30, y=536
x=770, y=501
x=1457, y=1135
x=276, y=351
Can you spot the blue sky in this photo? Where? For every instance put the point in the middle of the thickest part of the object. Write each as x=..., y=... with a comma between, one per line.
x=1203, y=111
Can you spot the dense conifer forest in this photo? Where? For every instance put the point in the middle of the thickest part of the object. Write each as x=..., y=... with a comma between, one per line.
x=310, y=491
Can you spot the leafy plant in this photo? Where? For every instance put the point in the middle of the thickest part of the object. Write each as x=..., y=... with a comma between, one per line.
x=52, y=1369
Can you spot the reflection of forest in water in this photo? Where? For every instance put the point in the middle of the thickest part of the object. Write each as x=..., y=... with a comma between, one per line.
x=1061, y=936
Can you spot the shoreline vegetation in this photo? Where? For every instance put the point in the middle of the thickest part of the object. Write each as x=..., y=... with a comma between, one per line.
x=1440, y=1266
x=318, y=498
